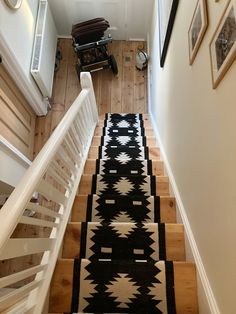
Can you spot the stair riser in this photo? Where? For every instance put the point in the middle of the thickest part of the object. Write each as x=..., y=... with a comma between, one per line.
x=167, y=209
x=91, y=168
x=174, y=242
x=146, y=123
x=100, y=132
x=162, y=185
x=150, y=141
x=153, y=152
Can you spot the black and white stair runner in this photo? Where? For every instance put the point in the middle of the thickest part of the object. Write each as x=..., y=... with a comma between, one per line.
x=111, y=208
x=122, y=266
x=123, y=185
x=123, y=241
x=130, y=167
x=131, y=141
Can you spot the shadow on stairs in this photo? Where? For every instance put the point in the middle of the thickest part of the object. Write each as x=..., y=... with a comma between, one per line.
x=123, y=251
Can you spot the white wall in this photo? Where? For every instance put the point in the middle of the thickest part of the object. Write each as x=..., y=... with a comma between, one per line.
x=129, y=19
x=197, y=127
x=13, y=164
x=16, y=43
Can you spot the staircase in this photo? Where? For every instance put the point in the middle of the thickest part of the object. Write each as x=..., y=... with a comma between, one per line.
x=123, y=251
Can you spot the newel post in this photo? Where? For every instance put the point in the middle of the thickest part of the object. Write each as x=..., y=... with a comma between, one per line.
x=87, y=83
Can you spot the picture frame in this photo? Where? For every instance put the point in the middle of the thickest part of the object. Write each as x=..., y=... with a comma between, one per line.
x=167, y=11
x=197, y=29
x=13, y=4
x=223, y=44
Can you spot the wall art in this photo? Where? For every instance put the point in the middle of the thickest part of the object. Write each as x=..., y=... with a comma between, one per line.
x=223, y=44
x=167, y=10
x=14, y=4
x=197, y=29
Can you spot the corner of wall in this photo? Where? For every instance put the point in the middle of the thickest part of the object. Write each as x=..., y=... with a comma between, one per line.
x=149, y=73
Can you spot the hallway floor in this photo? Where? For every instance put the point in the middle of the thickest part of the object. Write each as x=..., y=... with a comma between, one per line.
x=127, y=92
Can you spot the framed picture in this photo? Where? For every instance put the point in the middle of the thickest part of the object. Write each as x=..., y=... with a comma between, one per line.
x=167, y=11
x=197, y=29
x=13, y=4
x=223, y=44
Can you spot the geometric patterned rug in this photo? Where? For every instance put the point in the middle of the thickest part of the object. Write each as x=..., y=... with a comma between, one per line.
x=123, y=153
x=122, y=266
x=131, y=167
x=123, y=241
x=121, y=208
x=123, y=185
x=130, y=141
x=123, y=287
x=123, y=123
x=130, y=131
x=130, y=117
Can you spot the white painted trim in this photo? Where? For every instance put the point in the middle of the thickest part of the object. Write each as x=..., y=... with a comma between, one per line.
x=111, y=28
x=64, y=37
x=14, y=152
x=137, y=39
x=29, y=89
x=213, y=307
x=149, y=79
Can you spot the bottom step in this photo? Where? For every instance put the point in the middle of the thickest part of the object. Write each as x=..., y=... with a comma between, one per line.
x=123, y=287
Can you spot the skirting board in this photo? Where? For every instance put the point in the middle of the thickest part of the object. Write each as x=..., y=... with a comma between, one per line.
x=208, y=305
x=64, y=37
x=129, y=39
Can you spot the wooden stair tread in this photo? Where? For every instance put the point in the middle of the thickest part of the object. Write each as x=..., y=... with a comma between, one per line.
x=184, y=282
x=162, y=185
x=146, y=116
x=154, y=152
x=167, y=209
x=157, y=167
x=151, y=141
x=174, y=238
x=146, y=123
x=99, y=131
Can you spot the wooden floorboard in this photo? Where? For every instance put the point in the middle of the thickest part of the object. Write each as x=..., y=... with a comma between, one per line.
x=125, y=92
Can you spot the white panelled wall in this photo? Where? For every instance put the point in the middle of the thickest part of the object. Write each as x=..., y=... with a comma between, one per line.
x=197, y=126
x=129, y=19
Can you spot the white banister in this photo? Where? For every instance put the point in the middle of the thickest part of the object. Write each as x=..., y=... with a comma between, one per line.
x=9, y=299
x=8, y=280
x=22, y=247
x=37, y=222
x=42, y=210
x=54, y=175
